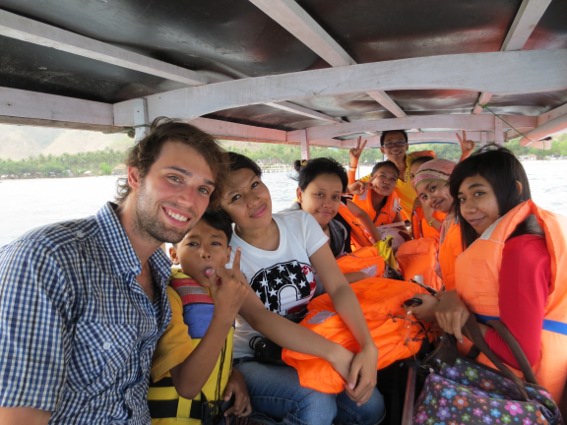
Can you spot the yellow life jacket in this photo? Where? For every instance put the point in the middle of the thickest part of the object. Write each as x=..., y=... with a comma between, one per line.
x=404, y=188
x=477, y=283
x=165, y=404
x=397, y=335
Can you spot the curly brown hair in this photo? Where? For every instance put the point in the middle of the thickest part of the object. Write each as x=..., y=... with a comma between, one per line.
x=144, y=153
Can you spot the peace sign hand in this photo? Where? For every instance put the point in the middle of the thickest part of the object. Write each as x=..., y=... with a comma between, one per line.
x=467, y=146
x=228, y=288
x=354, y=153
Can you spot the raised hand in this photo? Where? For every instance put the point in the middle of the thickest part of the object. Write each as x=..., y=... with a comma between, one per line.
x=354, y=153
x=357, y=188
x=228, y=288
x=467, y=146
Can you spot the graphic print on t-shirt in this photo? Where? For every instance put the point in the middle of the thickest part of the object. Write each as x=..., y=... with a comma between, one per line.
x=284, y=286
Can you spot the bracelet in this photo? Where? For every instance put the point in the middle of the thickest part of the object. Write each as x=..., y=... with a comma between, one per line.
x=430, y=222
x=350, y=167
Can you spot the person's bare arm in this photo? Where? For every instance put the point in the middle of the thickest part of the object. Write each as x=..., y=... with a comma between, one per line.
x=362, y=377
x=365, y=220
x=23, y=415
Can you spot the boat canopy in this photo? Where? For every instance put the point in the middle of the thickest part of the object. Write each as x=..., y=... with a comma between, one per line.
x=307, y=72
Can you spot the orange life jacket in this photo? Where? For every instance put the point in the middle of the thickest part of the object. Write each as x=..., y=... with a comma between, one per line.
x=397, y=335
x=418, y=257
x=358, y=235
x=387, y=213
x=420, y=227
x=404, y=189
x=366, y=259
x=477, y=283
x=450, y=247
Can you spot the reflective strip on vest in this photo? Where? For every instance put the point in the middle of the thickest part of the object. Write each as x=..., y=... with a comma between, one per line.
x=548, y=325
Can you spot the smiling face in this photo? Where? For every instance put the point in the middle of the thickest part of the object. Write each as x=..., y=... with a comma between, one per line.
x=435, y=194
x=384, y=180
x=202, y=248
x=478, y=203
x=173, y=195
x=395, y=146
x=322, y=197
x=246, y=199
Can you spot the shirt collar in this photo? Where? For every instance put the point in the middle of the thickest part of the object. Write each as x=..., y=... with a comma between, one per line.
x=122, y=255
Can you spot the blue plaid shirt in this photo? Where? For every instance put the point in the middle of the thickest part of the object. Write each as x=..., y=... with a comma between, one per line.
x=77, y=332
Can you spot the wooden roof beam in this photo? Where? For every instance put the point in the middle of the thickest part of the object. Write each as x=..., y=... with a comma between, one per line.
x=517, y=72
x=524, y=24
x=28, y=30
x=294, y=19
x=548, y=123
x=33, y=108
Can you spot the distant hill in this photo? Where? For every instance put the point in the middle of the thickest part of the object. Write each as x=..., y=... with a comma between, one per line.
x=20, y=142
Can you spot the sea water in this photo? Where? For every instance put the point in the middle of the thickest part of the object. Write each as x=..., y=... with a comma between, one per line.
x=26, y=204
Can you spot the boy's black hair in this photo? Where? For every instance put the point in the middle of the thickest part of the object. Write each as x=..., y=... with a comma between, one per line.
x=385, y=133
x=386, y=163
x=310, y=170
x=219, y=220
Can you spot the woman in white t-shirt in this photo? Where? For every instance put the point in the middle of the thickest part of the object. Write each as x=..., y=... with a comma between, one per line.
x=280, y=255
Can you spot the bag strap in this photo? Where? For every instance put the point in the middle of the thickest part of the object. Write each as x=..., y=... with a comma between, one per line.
x=472, y=328
x=519, y=354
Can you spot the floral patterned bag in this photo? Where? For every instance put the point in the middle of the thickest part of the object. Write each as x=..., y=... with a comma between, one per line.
x=459, y=390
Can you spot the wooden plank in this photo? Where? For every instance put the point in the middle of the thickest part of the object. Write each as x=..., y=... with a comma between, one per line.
x=450, y=121
x=495, y=72
x=33, y=108
x=232, y=131
x=294, y=19
x=524, y=24
x=24, y=29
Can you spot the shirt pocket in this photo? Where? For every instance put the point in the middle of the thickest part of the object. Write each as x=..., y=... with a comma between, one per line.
x=103, y=355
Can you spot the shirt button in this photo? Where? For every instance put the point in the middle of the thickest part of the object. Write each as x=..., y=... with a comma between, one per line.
x=80, y=234
x=106, y=346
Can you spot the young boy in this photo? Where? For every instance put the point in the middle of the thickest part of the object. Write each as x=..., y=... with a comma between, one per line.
x=193, y=358
x=200, y=333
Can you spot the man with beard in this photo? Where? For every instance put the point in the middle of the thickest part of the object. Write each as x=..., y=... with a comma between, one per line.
x=83, y=302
